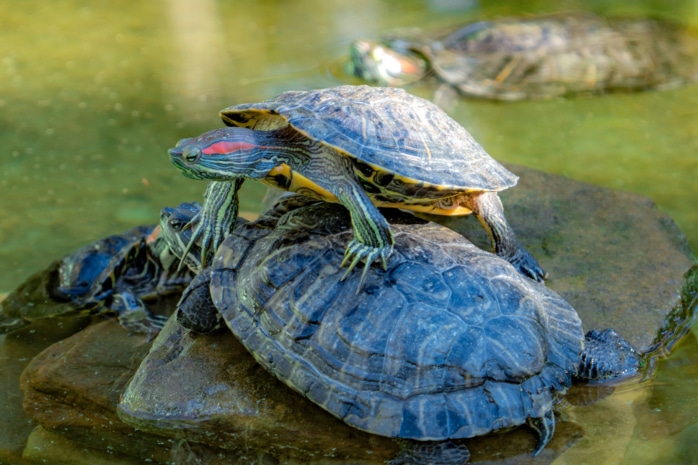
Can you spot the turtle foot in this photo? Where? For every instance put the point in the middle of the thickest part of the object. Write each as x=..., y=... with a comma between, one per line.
x=527, y=265
x=607, y=357
x=216, y=220
x=209, y=241
x=196, y=310
x=205, y=239
x=134, y=316
x=357, y=251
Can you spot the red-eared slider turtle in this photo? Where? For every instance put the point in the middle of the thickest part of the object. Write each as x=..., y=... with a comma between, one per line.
x=115, y=274
x=359, y=146
x=450, y=342
x=536, y=57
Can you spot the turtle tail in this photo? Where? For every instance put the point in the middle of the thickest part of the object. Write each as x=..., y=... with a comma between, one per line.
x=545, y=427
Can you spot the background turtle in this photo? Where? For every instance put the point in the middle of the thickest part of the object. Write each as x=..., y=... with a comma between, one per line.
x=450, y=342
x=536, y=57
x=358, y=146
x=115, y=274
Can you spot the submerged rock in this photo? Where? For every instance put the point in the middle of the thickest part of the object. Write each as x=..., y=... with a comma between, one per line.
x=202, y=399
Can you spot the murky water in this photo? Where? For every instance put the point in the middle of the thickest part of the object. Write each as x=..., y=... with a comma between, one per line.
x=92, y=94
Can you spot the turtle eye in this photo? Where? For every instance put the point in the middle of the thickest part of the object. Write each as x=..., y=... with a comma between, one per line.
x=191, y=154
x=176, y=225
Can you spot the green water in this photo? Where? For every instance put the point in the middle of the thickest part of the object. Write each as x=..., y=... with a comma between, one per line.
x=92, y=94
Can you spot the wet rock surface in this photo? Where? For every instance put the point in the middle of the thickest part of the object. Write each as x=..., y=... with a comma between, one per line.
x=225, y=399
x=202, y=399
x=73, y=386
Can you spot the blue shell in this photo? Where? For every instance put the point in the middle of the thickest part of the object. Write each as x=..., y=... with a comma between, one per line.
x=450, y=342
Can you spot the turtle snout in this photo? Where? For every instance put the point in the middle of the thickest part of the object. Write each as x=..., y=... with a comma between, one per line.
x=185, y=159
x=185, y=150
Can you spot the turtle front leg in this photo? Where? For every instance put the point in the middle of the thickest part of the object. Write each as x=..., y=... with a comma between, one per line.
x=133, y=314
x=373, y=238
x=217, y=217
x=490, y=213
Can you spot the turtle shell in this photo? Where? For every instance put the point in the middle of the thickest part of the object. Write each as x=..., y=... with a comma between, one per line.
x=537, y=57
x=449, y=342
x=87, y=275
x=87, y=279
x=387, y=128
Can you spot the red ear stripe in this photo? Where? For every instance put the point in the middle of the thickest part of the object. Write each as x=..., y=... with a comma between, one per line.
x=225, y=147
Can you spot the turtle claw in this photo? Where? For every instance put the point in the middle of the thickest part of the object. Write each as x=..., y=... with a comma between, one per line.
x=528, y=266
x=216, y=220
x=357, y=251
x=195, y=222
x=207, y=244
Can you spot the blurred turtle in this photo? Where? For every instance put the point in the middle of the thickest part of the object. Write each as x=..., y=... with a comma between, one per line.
x=534, y=57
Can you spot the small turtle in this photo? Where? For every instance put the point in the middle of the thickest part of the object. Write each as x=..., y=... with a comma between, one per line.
x=450, y=342
x=115, y=274
x=359, y=146
x=536, y=57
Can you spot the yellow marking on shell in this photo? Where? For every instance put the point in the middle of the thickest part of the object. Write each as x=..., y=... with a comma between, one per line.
x=377, y=169
x=298, y=183
x=506, y=71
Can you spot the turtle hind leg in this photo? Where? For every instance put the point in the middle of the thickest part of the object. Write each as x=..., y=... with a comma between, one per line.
x=195, y=310
x=490, y=213
x=446, y=452
x=608, y=357
x=545, y=427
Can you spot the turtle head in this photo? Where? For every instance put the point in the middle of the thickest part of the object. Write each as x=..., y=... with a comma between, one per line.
x=382, y=64
x=223, y=154
x=176, y=228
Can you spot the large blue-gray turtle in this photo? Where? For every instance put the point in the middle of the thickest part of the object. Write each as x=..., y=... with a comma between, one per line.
x=449, y=342
x=359, y=146
x=534, y=57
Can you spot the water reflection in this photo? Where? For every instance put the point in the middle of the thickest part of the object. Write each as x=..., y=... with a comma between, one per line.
x=196, y=69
